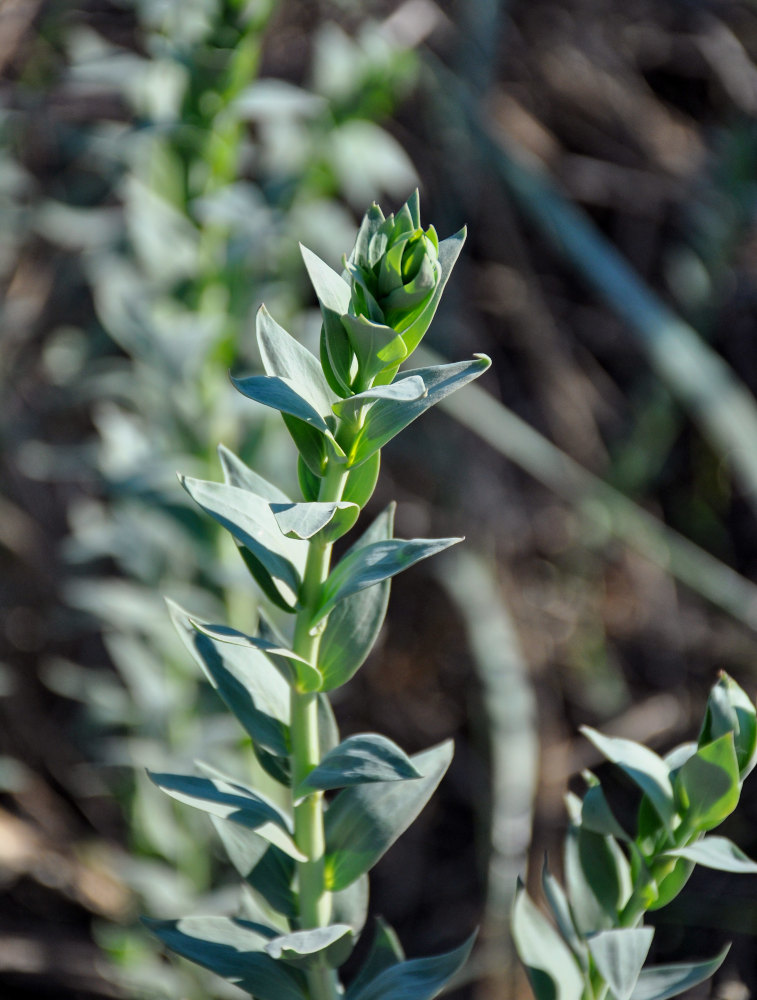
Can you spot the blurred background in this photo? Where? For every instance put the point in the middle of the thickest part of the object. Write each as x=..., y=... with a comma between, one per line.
x=159, y=162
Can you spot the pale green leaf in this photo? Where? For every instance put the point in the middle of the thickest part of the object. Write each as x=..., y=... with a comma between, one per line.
x=552, y=970
x=717, y=852
x=363, y=822
x=387, y=417
x=642, y=766
x=359, y=759
x=309, y=949
x=708, y=785
x=232, y=948
x=328, y=521
x=619, y=955
x=354, y=624
x=405, y=390
x=416, y=979
x=658, y=982
x=373, y=563
x=228, y=799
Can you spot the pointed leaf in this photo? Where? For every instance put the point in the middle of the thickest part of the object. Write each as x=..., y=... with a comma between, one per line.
x=363, y=822
x=719, y=853
x=231, y=800
x=708, y=784
x=597, y=816
x=232, y=948
x=281, y=394
x=597, y=878
x=416, y=979
x=388, y=417
x=249, y=684
x=658, y=982
x=285, y=357
x=558, y=904
x=551, y=968
x=311, y=949
x=373, y=563
x=237, y=473
x=332, y=290
x=295, y=666
x=268, y=872
x=405, y=390
x=642, y=766
x=249, y=519
x=354, y=624
x=385, y=952
x=360, y=759
x=619, y=955
x=328, y=521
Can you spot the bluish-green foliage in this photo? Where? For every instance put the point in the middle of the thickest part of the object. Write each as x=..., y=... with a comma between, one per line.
x=598, y=942
x=304, y=859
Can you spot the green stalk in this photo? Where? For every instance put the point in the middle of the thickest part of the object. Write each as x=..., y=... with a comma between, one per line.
x=315, y=901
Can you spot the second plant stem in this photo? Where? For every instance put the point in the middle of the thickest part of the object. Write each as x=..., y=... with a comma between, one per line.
x=315, y=901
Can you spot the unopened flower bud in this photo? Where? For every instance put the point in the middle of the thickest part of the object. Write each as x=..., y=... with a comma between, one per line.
x=729, y=709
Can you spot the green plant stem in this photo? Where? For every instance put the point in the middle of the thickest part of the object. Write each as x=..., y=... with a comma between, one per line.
x=315, y=901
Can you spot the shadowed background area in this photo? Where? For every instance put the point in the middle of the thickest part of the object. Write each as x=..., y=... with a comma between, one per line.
x=159, y=163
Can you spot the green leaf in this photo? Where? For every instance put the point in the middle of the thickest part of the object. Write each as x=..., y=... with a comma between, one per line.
x=597, y=877
x=281, y=394
x=328, y=521
x=350, y=905
x=385, y=952
x=597, y=816
x=236, y=473
x=552, y=970
x=361, y=481
x=671, y=884
x=373, y=563
x=314, y=948
x=231, y=800
x=642, y=766
x=360, y=759
x=717, y=852
x=332, y=290
x=232, y=948
x=417, y=979
x=250, y=685
x=292, y=666
x=708, y=786
x=278, y=560
x=334, y=297
x=354, y=624
x=285, y=357
x=268, y=871
x=386, y=418
x=363, y=822
x=619, y=955
x=658, y=982
x=311, y=445
x=558, y=904
x=406, y=390
x=375, y=344
x=310, y=482
x=273, y=877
